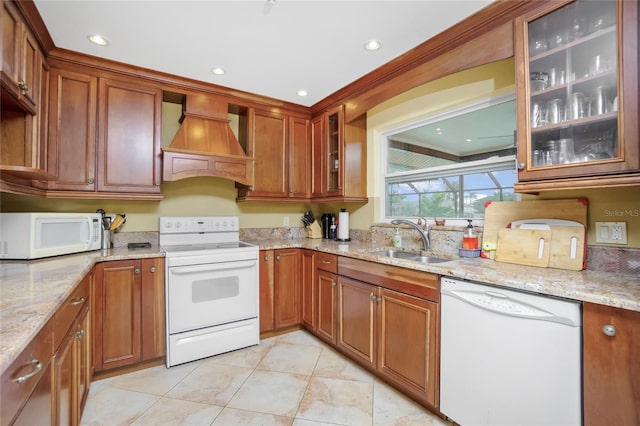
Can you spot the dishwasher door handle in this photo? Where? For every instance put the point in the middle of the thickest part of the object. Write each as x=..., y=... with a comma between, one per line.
x=502, y=304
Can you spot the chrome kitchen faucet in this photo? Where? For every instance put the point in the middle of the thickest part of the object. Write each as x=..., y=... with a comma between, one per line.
x=423, y=233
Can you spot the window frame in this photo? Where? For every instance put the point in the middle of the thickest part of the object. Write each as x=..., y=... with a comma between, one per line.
x=440, y=171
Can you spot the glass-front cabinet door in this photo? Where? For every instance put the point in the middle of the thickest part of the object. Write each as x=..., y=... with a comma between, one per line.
x=578, y=77
x=334, y=151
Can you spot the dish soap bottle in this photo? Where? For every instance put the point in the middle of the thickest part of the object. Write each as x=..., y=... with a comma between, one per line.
x=470, y=240
x=397, y=238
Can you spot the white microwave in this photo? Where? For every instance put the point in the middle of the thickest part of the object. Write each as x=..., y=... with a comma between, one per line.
x=37, y=235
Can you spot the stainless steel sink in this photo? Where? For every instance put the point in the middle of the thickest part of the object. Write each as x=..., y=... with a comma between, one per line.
x=407, y=255
x=394, y=253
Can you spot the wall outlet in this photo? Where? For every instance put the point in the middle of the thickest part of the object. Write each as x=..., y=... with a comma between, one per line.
x=285, y=221
x=611, y=232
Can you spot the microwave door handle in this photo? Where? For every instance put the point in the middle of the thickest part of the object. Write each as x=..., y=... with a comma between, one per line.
x=89, y=231
x=212, y=267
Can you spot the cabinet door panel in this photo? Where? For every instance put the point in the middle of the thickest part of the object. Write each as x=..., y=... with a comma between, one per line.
x=357, y=307
x=85, y=365
x=408, y=343
x=611, y=367
x=267, y=319
x=117, y=314
x=309, y=289
x=65, y=361
x=318, y=142
x=268, y=133
x=299, y=158
x=72, y=130
x=129, y=137
x=287, y=287
x=327, y=305
x=153, y=309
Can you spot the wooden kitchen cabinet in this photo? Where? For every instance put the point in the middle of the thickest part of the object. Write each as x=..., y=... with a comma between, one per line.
x=577, y=68
x=357, y=318
x=326, y=267
x=21, y=57
x=309, y=289
x=281, y=148
x=280, y=289
x=124, y=334
x=339, y=157
x=611, y=379
x=72, y=363
x=104, y=136
x=388, y=320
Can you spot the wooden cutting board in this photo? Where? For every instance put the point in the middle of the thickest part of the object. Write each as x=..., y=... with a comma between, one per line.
x=567, y=248
x=499, y=214
x=524, y=247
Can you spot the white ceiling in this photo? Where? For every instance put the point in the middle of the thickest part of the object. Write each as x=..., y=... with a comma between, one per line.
x=268, y=48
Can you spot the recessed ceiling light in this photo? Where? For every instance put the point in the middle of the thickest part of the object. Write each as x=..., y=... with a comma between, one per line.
x=372, y=45
x=302, y=93
x=468, y=140
x=218, y=71
x=438, y=129
x=98, y=39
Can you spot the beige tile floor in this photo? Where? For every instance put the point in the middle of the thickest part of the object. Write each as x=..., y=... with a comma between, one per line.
x=292, y=379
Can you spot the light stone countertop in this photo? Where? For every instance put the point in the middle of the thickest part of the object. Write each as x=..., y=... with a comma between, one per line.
x=32, y=291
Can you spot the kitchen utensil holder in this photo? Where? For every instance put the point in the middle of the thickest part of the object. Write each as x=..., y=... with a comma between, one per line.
x=313, y=230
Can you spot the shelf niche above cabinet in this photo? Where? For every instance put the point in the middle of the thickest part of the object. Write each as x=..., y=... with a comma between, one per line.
x=203, y=142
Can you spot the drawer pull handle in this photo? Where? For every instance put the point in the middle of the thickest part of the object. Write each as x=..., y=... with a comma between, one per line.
x=36, y=369
x=326, y=262
x=78, y=301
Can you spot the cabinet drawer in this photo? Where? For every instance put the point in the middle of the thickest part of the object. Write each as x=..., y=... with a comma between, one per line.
x=30, y=365
x=424, y=285
x=327, y=262
x=69, y=310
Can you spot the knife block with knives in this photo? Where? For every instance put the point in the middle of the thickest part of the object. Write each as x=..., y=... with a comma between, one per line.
x=545, y=233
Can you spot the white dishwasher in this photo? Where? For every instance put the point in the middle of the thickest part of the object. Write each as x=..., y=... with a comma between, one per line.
x=509, y=357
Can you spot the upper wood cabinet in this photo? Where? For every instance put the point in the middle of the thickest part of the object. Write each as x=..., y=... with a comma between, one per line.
x=339, y=157
x=104, y=136
x=280, y=145
x=577, y=72
x=21, y=57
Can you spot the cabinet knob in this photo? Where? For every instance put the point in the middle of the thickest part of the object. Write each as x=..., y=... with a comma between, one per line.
x=136, y=271
x=23, y=86
x=378, y=299
x=333, y=283
x=152, y=269
x=90, y=180
x=38, y=367
x=609, y=330
x=373, y=298
x=278, y=257
x=291, y=191
x=79, y=334
x=266, y=258
x=521, y=166
x=78, y=301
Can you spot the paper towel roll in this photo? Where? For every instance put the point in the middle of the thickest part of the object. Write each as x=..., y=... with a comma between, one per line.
x=343, y=226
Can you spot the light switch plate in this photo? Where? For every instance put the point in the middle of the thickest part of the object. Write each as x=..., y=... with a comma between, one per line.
x=611, y=232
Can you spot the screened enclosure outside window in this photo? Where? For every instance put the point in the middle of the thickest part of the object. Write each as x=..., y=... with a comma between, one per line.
x=454, y=194
x=452, y=164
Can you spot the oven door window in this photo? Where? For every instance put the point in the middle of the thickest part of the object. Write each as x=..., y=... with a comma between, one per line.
x=212, y=294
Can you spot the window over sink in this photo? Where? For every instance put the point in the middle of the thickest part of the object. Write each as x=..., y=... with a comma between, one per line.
x=448, y=165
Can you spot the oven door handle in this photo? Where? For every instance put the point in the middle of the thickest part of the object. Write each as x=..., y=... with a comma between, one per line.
x=211, y=267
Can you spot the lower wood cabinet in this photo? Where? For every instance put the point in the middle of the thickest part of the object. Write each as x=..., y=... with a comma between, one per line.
x=128, y=305
x=326, y=278
x=611, y=362
x=309, y=289
x=280, y=289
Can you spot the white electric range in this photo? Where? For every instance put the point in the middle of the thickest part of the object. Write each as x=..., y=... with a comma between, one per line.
x=212, y=288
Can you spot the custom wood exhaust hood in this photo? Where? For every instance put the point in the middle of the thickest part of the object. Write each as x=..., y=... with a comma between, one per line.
x=205, y=145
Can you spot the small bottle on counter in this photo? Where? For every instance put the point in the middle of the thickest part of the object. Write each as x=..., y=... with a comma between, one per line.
x=470, y=240
x=397, y=238
x=332, y=228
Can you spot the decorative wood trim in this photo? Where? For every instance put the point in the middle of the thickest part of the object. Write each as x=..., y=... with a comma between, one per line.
x=33, y=18
x=632, y=179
